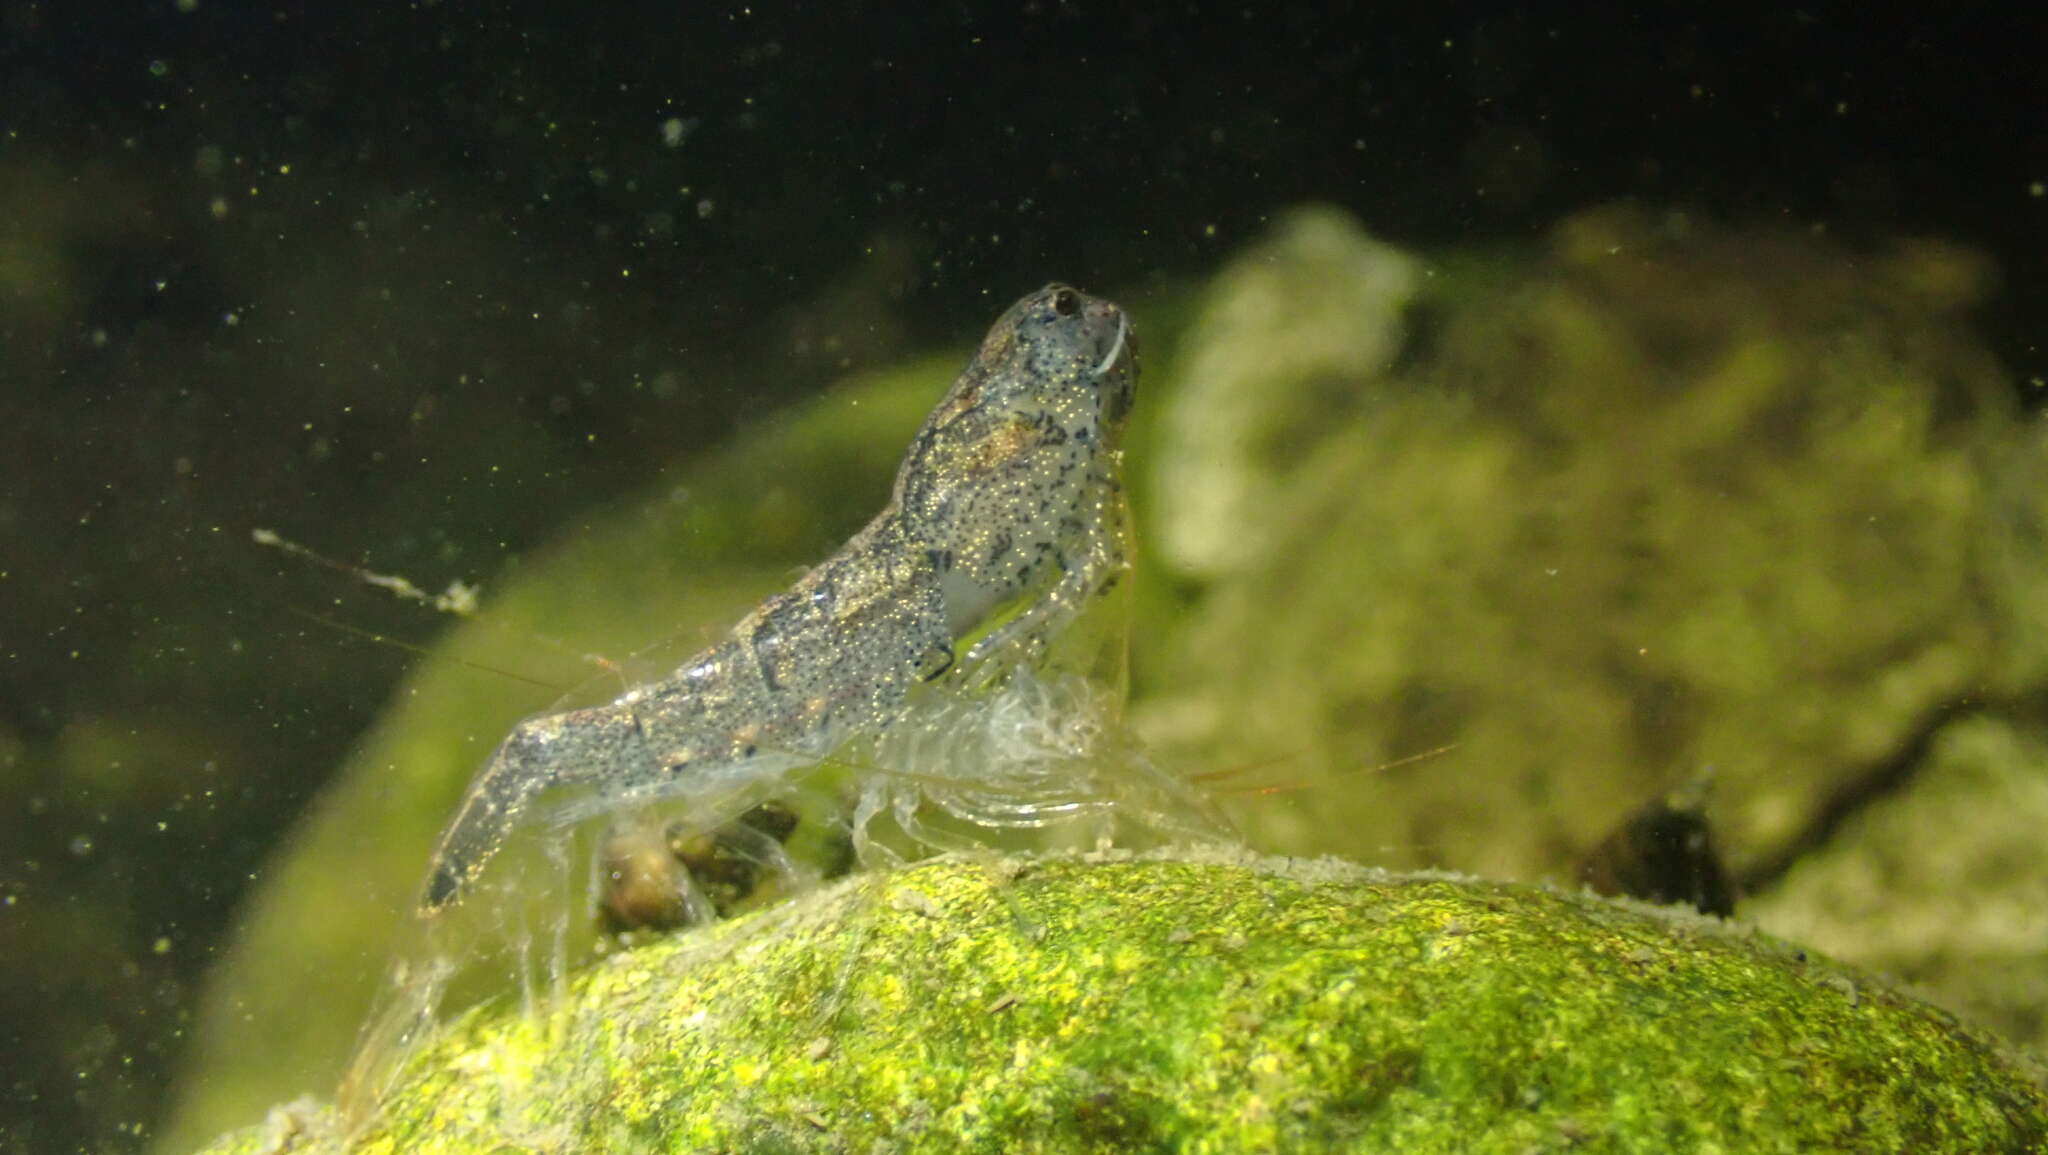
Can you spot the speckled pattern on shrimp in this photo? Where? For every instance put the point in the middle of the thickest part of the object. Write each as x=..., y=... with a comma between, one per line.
x=1006, y=517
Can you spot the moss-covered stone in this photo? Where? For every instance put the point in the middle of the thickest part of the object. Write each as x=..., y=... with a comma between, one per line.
x=1939, y=883
x=1121, y=1005
x=1656, y=501
x=1662, y=498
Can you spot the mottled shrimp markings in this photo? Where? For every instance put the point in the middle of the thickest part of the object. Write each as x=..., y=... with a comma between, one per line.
x=1007, y=515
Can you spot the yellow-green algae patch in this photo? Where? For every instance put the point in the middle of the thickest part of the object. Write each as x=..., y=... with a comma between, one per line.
x=1223, y=1004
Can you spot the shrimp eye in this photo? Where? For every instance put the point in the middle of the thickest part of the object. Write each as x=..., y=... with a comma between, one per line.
x=1065, y=302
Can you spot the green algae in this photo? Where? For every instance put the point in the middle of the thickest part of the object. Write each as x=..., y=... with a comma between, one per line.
x=1937, y=883
x=1230, y=1005
x=1656, y=501
x=1657, y=498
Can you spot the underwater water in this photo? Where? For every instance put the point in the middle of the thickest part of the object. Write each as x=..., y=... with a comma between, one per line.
x=1539, y=418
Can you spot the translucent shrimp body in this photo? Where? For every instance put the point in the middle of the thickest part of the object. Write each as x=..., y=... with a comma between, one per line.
x=1006, y=519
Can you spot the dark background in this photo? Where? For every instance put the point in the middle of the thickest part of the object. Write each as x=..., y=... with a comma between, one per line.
x=418, y=284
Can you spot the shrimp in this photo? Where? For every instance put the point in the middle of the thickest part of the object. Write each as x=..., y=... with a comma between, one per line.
x=1007, y=516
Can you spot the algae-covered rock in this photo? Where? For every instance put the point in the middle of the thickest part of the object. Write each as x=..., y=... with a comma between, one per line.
x=1661, y=499
x=1287, y=338
x=1940, y=878
x=1940, y=883
x=1119, y=1005
x=1658, y=502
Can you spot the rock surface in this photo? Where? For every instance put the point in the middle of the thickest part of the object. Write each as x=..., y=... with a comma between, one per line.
x=1221, y=1005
